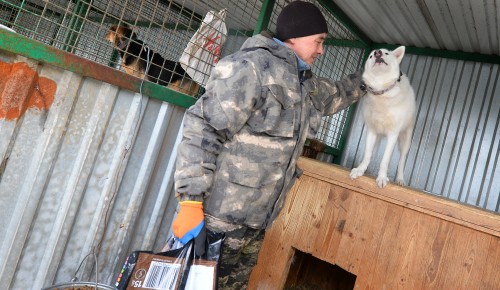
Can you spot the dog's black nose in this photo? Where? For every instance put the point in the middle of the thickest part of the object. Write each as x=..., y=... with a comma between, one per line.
x=378, y=53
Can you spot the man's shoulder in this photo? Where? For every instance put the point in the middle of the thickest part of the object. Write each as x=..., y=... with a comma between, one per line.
x=260, y=44
x=255, y=54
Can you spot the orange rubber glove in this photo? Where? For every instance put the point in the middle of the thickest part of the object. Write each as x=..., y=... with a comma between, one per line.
x=190, y=224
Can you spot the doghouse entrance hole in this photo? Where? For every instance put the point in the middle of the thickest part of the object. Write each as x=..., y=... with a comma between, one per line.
x=310, y=273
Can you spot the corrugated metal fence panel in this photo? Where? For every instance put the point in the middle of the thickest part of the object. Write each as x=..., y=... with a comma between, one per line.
x=92, y=172
x=455, y=146
x=465, y=25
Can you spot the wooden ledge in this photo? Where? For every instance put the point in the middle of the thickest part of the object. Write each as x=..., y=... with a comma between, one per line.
x=427, y=203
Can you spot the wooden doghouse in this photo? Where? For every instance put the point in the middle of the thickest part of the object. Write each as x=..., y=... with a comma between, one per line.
x=338, y=233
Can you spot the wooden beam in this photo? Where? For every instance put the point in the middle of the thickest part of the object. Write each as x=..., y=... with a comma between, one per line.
x=453, y=211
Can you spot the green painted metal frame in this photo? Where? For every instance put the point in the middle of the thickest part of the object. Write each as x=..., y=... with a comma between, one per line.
x=264, y=16
x=43, y=53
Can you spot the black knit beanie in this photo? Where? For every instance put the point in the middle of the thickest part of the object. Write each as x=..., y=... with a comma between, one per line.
x=299, y=19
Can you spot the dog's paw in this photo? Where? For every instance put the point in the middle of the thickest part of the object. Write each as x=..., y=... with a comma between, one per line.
x=400, y=181
x=382, y=181
x=356, y=172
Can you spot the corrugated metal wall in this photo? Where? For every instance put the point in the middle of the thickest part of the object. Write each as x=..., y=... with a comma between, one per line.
x=92, y=172
x=95, y=171
x=456, y=142
x=454, y=25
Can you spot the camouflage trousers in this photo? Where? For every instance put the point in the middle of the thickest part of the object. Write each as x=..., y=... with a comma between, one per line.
x=239, y=255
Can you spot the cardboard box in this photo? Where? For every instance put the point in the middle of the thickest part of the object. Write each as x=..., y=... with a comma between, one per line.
x=156, y=272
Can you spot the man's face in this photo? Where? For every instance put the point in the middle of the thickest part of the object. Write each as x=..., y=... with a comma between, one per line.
x=308, y=48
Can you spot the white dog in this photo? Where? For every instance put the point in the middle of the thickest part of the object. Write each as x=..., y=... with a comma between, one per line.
x=388, y=110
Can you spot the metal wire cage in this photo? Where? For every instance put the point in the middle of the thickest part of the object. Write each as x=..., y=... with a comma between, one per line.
x=337, y=61
x=80, y=27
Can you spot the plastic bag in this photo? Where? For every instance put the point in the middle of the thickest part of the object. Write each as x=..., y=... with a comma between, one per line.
x=204, y=48
x=203, y=271
x=177, y=267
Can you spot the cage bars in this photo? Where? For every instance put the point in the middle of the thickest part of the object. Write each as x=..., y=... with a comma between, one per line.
x=167, y=25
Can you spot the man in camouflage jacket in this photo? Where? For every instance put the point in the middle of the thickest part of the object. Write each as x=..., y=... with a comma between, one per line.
x=242, y=138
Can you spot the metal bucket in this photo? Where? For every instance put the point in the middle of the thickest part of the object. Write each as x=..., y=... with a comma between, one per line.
x=79, y=286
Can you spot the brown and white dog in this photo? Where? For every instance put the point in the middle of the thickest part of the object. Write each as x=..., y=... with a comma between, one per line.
x=136, y=58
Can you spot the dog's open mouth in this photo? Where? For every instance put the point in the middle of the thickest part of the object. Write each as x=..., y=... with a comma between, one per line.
x=380, y=60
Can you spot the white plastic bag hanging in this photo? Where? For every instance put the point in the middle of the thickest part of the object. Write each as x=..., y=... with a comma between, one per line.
x=204, y=48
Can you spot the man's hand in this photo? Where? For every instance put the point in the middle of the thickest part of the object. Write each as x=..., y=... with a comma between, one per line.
x=189, y=224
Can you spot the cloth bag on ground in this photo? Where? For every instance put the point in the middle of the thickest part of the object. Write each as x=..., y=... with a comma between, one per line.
x=204, y=48
x=178, y=268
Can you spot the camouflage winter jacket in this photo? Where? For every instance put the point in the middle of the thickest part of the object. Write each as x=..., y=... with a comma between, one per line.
x=243, y=137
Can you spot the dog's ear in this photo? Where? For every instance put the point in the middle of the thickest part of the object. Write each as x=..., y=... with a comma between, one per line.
x=117, y=33
x=121, y=31
x=111, y=34
x=126, y=31
x=399, y=53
